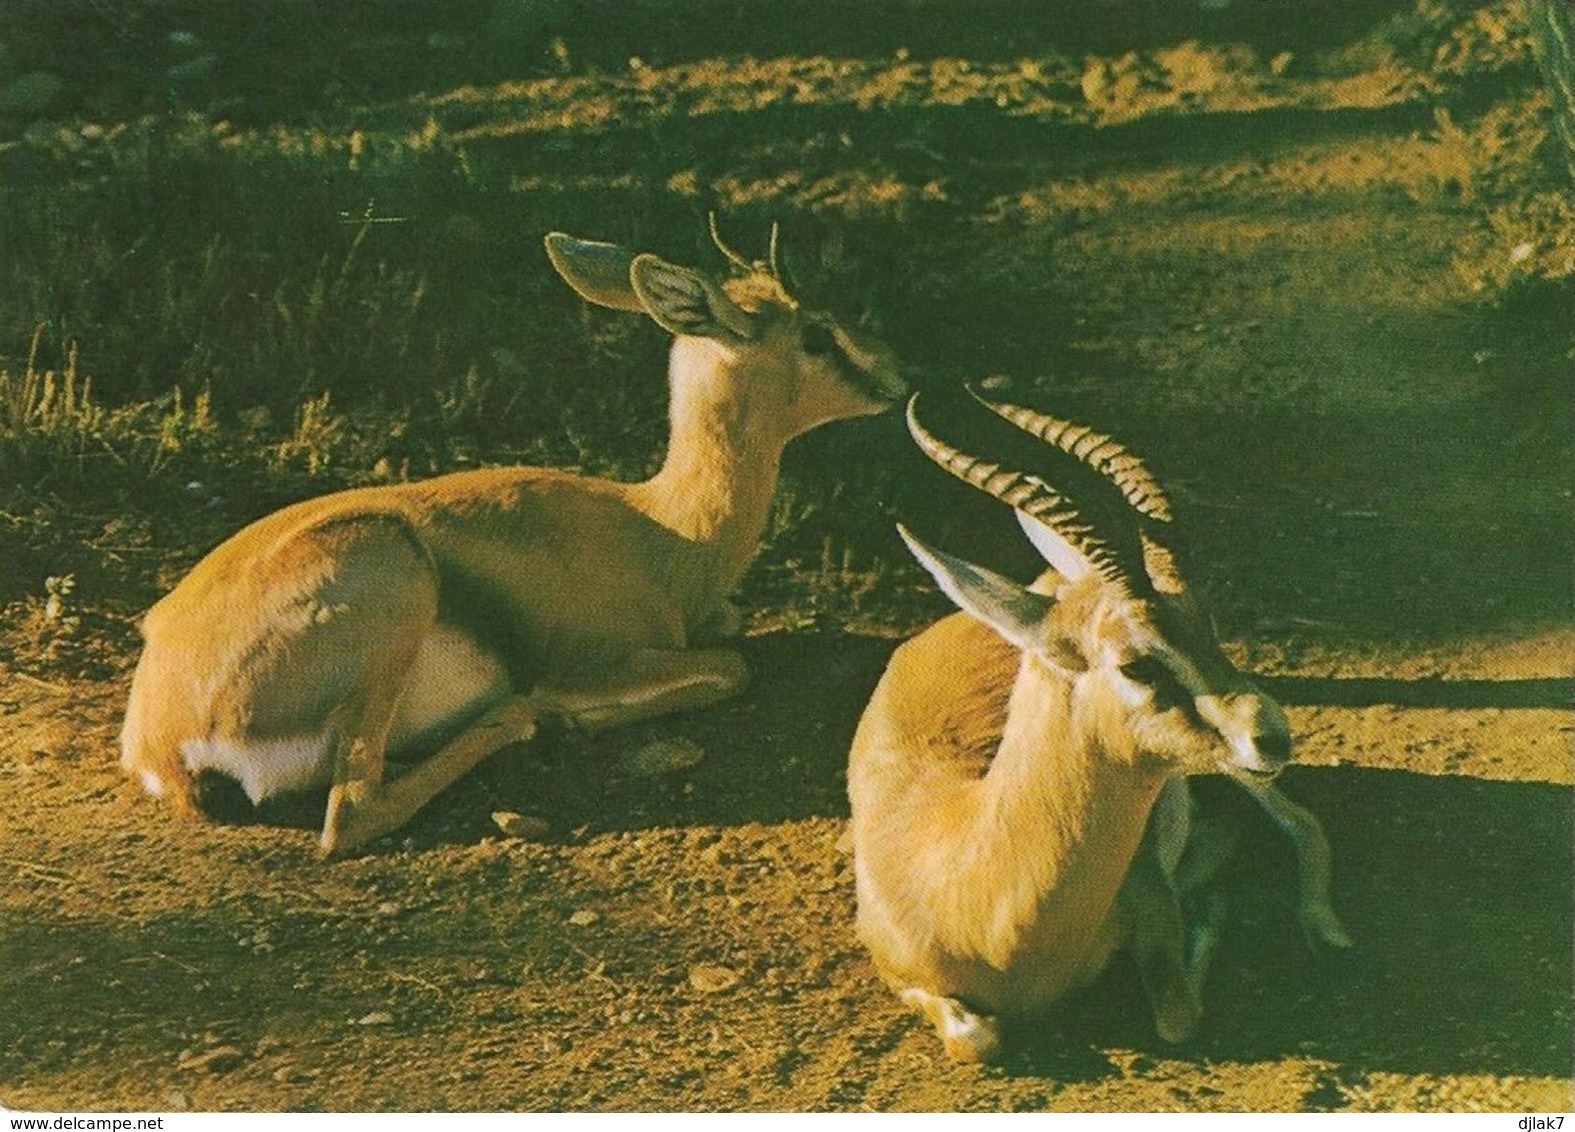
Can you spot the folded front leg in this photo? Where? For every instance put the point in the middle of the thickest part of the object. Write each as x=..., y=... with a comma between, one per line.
x=1314, y=863
x=646, y=684
x=361, y=808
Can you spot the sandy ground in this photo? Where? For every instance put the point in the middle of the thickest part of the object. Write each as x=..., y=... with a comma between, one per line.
x=1378, y=473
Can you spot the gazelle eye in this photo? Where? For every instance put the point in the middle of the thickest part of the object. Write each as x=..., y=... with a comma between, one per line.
x=817, y=340
x=1155, y=675
x=1146, y=670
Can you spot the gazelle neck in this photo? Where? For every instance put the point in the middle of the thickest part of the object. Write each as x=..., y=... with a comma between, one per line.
x=1072, y=815
x=715, y=485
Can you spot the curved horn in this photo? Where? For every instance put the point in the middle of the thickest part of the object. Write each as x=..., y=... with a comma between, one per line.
x=771, y=253
x=733, y=257
x=1028, y=494
x=1096, y=449
x=1159, y=563
x=1112, y=460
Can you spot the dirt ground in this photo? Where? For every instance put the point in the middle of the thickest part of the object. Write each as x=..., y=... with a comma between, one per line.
x=1260, y=288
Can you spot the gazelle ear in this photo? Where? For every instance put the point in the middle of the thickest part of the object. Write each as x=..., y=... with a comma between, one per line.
x=1060, y=554
x=1014, y=612
x=598, y=272
x=685, y=302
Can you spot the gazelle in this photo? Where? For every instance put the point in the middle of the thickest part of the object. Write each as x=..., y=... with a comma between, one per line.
x=1020, y=806
x=461, y=611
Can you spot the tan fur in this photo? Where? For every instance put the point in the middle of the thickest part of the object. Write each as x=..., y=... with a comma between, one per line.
x=1006, y=842
x=996, y=888
x=564, y=595
x=1002, y=808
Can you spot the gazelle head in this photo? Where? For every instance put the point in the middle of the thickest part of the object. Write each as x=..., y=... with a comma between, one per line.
x=743, y=339
x=1115, y=621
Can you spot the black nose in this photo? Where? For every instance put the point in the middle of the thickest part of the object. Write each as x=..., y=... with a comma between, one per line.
x=1274, y=746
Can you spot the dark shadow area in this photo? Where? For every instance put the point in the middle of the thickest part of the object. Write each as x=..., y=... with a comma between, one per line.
x=1362, y=529
x=776, y=753
x=1457, y=892
x=1311, y=691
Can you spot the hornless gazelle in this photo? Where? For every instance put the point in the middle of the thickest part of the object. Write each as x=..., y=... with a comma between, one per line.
x=1020, y=806
x=459, y=612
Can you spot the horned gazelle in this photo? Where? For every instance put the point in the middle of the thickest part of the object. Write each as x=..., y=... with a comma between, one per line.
x=1020, y=807
x=462, y=610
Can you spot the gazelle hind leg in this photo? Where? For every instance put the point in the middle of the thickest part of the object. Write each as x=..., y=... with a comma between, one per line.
x=1314, y=864
x=648, y=683
x=356, y=818
x=967, y=1035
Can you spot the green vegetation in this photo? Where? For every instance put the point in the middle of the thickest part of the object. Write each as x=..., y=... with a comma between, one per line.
x=224, y=291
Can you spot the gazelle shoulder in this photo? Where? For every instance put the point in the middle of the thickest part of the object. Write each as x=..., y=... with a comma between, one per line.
x=943, y=698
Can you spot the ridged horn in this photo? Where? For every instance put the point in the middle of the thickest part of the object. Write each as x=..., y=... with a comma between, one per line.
x=733, y=257
x=1024, y=492
x=1096, y=449
x=1159, y=563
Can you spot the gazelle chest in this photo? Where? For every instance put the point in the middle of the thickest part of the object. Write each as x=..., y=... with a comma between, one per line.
x=1055, y=922
x=1063, y=949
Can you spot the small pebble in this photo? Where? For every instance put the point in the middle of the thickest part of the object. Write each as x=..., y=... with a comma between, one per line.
x=220, y=1059
x=709, y=978
x=663, y=756
x=527, y=827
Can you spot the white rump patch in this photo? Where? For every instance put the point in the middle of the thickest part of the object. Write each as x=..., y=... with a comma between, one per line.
x=263, y=767
x=452, y=678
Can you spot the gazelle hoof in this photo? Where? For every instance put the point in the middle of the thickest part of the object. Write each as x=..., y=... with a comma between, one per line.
x=966, y=1036
x=1177, y=1021
x=1323, y=927
x=347, y=826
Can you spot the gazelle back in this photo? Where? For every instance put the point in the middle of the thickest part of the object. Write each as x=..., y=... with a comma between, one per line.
x=1017, y=781
x=459, y=611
